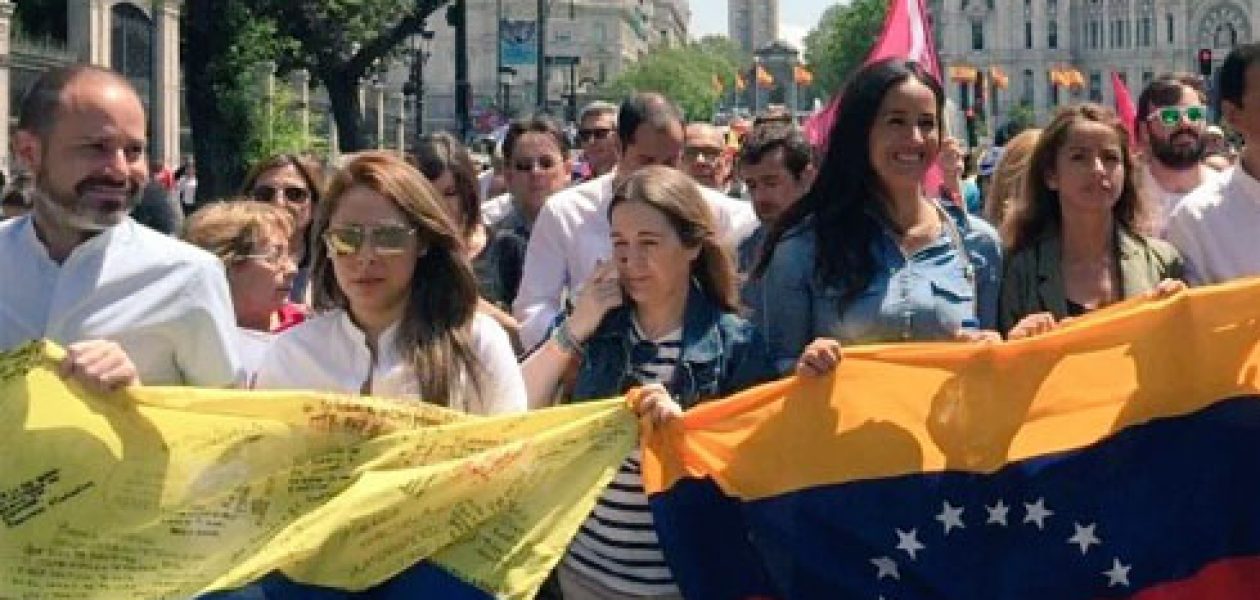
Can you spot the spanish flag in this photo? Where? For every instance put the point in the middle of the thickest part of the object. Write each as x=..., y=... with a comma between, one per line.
x=740, y=84
x=802, y=75
x=717, y=84
x=764, y=79
x=1116, y=457
x=999, y=78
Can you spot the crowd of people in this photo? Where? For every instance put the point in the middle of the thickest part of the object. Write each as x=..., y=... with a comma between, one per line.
x=676, y=263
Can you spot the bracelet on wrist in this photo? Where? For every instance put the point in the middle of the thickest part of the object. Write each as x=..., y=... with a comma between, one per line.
x=565, y=339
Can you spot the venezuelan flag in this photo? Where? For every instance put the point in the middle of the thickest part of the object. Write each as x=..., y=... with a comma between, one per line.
x=1117, y=457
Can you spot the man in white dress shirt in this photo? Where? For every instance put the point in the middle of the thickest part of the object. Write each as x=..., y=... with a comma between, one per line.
x=571, y=233
x=1215, y=226
x=129, y=304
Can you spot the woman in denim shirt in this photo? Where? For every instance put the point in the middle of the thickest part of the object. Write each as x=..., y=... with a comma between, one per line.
x=866, y=256
x=662, y=317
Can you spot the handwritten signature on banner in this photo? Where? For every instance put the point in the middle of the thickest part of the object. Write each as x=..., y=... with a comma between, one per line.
x=171, y=492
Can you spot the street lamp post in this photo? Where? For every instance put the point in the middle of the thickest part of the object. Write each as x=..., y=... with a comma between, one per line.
x=415, y=87
x=507, y=75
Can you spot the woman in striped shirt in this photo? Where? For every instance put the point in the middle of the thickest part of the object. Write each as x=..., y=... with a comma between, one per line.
x=661, y=316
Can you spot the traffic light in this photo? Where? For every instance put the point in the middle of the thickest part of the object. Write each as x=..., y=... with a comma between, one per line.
x=1205, y=62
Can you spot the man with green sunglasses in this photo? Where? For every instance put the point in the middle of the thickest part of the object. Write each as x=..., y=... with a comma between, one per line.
x=1171, y=120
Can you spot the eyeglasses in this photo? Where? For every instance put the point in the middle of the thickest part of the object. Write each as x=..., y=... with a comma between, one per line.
x=525, y=165
x=1170, y=116
x=696, y=152
x=267, y=193
x=386, y=240
x=274, y=256
x=594, y=133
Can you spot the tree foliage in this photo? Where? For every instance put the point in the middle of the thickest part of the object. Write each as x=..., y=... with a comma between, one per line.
x=684, y=74
x=342, y=42
x=836, y=47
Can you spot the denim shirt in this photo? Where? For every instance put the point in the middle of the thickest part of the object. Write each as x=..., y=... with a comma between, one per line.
x=722, y=353
x=926, y=296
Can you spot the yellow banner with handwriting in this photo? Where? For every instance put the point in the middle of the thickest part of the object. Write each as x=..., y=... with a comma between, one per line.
x=170, y=492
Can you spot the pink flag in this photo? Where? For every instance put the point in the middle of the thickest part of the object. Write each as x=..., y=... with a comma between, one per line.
x=1124, y=106
x=906, y=35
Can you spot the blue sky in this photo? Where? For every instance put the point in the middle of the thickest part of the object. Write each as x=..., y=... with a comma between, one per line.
x=796, y=17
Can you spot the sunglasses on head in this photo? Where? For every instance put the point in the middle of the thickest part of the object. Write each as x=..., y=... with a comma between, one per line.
x=267, y=193
x=525, y=165
x=594, y=133
x=386, y=240
x=1170, y=116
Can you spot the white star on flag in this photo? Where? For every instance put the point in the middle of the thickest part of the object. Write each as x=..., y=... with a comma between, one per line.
x=909, y=542
x=1037, y=513
x=887, y=568
x=1084, y=537
x=950, y=517
x=997, y=513
x=1118, y=574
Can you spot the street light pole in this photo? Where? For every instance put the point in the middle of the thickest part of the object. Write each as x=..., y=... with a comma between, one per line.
x=462, y=86
x=542, y=56
x=419, y=55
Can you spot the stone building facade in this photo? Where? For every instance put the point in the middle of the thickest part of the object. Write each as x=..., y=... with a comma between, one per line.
x=1028, y=39
x=753, y=24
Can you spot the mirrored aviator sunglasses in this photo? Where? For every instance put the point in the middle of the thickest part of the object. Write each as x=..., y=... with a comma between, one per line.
x=385, y=240
x=1170, y=116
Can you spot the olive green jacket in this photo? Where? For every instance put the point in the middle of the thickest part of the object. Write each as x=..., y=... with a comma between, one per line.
x=1033, y=281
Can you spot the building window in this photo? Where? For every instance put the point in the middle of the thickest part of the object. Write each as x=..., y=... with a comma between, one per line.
x=1095, y=34
x=1095, y=86
x=977, y=35
x=1144, y=32
x=1028, y=34
x=1052, y=34
x=1028, y=88
x=1147, y=76
x=1169, y=20
x=601, y=32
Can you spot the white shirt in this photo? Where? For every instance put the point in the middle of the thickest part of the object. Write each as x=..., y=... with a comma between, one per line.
x=571, y=235
x=1216, y=227
x=329, y=353
x=252, y=346
x=1164, y=202
x=496, y=208
x=164, y=301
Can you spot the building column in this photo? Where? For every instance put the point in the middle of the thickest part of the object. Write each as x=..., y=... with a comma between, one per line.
x=165, y=109
x=302, y=85
x=89, y=29
x=6, y=18
x=400, y=131
x=379, y=91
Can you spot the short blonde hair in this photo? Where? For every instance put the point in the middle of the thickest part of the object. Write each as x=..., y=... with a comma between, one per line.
x=233, y=228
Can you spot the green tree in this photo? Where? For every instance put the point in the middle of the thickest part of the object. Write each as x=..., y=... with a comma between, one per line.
x=836, y=47
x=342, y=42
x=684, y=74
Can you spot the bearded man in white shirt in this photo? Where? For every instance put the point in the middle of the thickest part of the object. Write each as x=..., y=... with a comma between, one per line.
x=1171, y=131
x=129, y=304
x=1215, y=226
x=571, y=235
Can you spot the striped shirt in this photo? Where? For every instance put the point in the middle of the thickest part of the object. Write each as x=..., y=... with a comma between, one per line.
x=617, y=545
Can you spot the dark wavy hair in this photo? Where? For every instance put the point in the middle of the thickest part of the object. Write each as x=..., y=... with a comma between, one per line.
x=437, y=153
x=845, y=202
x=435, y=334
x=1039, y=209
x=678, y=197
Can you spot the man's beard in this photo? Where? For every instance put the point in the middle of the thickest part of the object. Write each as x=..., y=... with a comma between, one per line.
x=1178, y=157
x=69, y=210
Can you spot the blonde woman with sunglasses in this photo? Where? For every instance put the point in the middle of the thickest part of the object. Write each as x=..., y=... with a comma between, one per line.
x=396, y=301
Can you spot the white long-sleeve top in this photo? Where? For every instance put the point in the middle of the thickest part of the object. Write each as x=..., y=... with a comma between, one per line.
x=571, y=235
x=165, y=302
x=330, y=353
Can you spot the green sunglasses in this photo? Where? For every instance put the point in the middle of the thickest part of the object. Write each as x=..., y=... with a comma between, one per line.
x=1170, y=116
x=386, y=240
